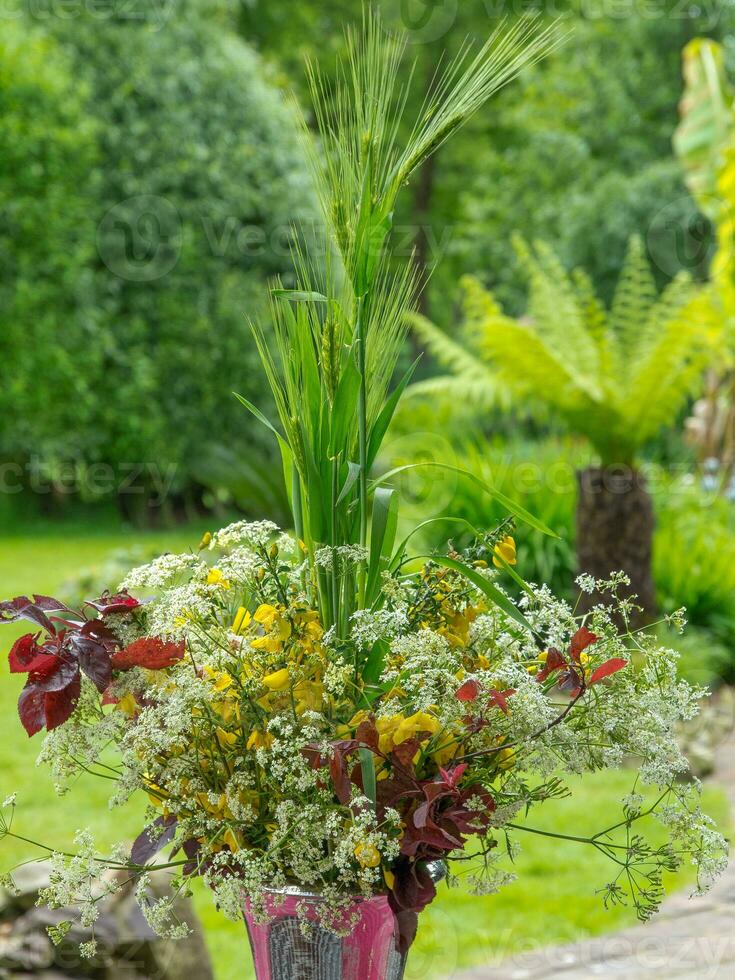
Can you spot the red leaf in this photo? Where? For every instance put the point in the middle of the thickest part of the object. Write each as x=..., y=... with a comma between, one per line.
x=609, y=667
x=580, y=641
x=23, y=653
x=554, y=661
x=405, y=752
x=500, y=698
x=119, y=603
x=151, y=652
x=468, y=691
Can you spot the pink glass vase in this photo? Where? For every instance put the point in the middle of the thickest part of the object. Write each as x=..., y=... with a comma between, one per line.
x=281, y=951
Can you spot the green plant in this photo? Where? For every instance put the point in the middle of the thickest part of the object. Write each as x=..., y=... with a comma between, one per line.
x=338, y=335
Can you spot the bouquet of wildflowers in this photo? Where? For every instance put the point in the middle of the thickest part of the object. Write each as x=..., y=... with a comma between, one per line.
x=327, y=709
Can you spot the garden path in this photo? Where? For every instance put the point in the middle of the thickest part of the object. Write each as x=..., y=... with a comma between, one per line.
x=689, y=938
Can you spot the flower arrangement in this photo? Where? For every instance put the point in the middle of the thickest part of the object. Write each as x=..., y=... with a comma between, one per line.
x=327, y=709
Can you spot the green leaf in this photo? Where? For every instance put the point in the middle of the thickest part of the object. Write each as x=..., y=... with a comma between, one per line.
x=299, y=295
x=374, y=665
x=396, y=560
x=344, y=407
x=380, y=426
x=510, y=505
x=367, y=765
x=258, y=414
x=382, y=535
x=353, y=474
x=491, y=591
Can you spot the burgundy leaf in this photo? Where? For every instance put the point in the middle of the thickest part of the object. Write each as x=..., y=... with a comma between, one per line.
x=59, y=705
x=468, y=691
x=580, y=641
x=609, y=667
x=31, y=710
x=54, y=674
x=407, y=922
x=24, y=608
x=571, y=681
x=155, y=837
x=94, y=660
x=119, y=603
x=151, y=652
x=452, y=776
x=338, y=771
x=367, y=734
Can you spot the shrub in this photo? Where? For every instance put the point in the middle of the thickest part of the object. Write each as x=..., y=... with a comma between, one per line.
x=198, y=176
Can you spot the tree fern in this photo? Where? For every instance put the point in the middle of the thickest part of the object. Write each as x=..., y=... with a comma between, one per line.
x=615, y=377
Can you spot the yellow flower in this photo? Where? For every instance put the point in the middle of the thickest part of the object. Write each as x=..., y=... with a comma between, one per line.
x=386, y=727
x=216, y=577
x=390, y=878
x=505, y=549
x=228, y=709
x=231, y=839
x=368, y=856
x=271, y=644
x=220, y=680
x=506, y=759
x=224, y=738
x=127, y=704
x=241, y=621
x=266, y=615
x=277, y=681
x=206, y=540
x=260, y=740
x=308, y=695
x=418, y=722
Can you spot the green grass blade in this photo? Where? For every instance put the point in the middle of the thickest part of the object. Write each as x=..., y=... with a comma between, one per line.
x=510, y=505
x=491, y=591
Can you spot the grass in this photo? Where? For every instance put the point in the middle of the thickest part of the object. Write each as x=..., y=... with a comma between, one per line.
x=553, y=899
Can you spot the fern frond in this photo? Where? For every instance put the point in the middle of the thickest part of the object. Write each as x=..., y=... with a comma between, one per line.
x=672, y=368
x=466, y=393
x=447, y=351
x=554, y=308
x=635, y=296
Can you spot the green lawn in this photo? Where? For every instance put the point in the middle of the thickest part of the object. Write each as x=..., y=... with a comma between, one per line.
x=552, y=901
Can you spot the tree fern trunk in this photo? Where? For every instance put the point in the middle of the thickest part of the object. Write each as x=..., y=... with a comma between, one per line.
x=615, y=524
